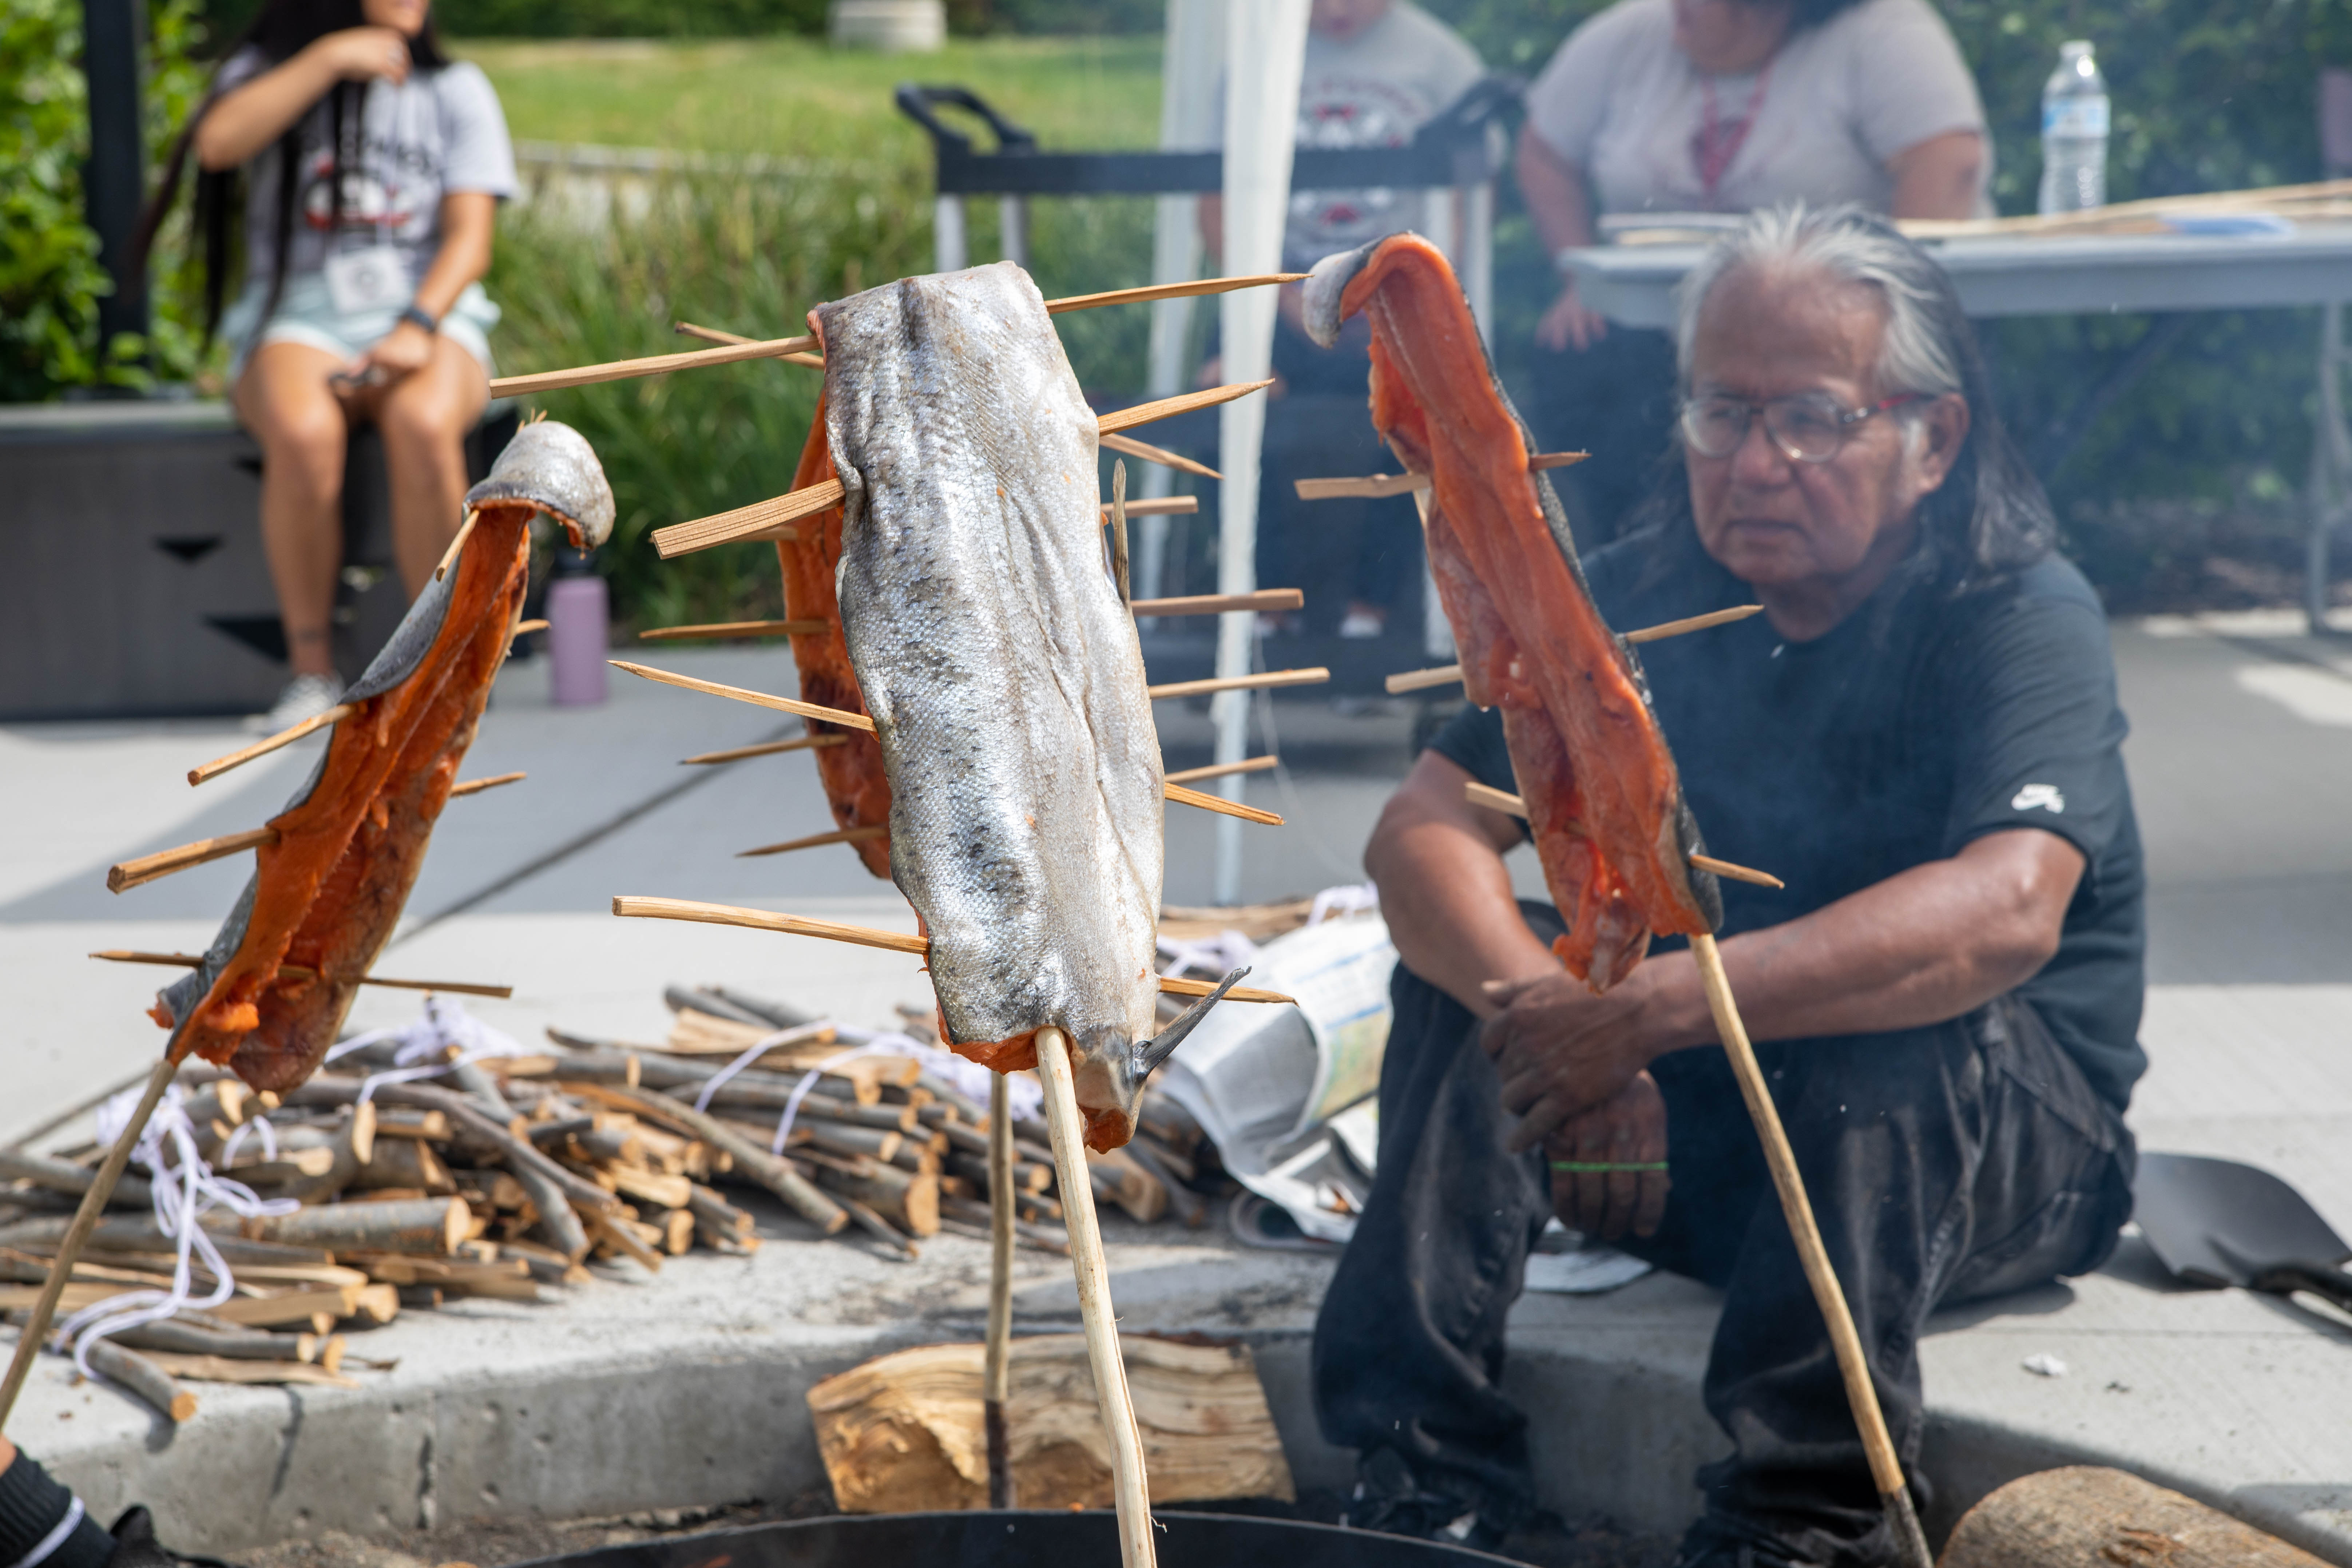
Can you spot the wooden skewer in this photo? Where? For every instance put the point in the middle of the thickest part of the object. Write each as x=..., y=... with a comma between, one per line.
x=1511, y=804
x=1260, y=683
x=762, y=520
x=996, y=1375
x=780, y=348
x=1217, y=802
x=1377, y=487
x=1885, y=1468
x=838, y=836
x=285, y=737
x=1445, y=675
x=164, y=862
x=633, y=907
x=840, y=716
x=721, y=631
x=1253, y=765
x=85, y=1220
x=1077, y=1188
x=713, y=335
x=1118, y=510
x=1221, y=603
x=304, y=971
x=1159, y=454
x=1169, y=506
x=766, y=748
x=524, y=626
x=449, y=557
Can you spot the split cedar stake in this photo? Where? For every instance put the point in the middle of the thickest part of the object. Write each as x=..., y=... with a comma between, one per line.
x=1378, y=487
x=1446, y=675
x=1221, y=604
x=1509, y=804
x=164, y=862
x=304, y=971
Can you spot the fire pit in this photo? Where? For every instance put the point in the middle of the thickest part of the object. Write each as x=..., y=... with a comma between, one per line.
x=1015, y=1539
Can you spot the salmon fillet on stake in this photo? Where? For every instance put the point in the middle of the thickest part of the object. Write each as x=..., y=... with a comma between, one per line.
x=1603, y=800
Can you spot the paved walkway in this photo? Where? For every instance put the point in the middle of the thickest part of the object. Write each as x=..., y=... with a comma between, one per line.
x=2242, y=758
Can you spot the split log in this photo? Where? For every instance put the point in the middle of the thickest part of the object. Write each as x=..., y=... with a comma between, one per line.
x=407, y=1162
x=423, y=1224
x=1127, y=1183
x=751, y=1162
x=141, y=1377
x=1027, y=1175
x=123, y=1234
x=236, y=1343
x=1049, y=1238
x=1189, y=1205
x=908, y=1199
x=468, y=1124
x=224, y=1369
x=64, y=1176
x=904, y=1432
x=2085, y=1515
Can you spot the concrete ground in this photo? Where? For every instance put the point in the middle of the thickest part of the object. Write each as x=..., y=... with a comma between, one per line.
x=2241, y=757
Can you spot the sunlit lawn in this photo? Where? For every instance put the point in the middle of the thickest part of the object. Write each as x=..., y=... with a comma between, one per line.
x=794, y=97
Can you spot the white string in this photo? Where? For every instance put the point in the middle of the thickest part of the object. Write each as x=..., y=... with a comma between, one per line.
x=966, y=1077
x=873, y=1047
x=752, y=1053
x=1216, y=956
x=1340, y=902
x=445, y=1027
x=182, y=1192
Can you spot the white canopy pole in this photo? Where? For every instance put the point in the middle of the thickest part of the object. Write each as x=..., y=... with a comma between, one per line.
x=1188, y=123
x=1266, y=54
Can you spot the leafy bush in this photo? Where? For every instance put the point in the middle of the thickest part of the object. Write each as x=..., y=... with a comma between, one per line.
x=50, y=281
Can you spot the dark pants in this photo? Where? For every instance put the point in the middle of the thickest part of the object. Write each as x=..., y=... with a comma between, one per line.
x=1963, y=1159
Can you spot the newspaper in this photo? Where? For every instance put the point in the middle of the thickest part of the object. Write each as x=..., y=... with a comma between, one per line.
x=1288, y=1093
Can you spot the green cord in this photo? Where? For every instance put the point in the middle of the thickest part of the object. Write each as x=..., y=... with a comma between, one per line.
x=1603, y=1167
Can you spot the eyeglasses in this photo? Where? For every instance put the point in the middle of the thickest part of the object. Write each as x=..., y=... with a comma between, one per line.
x=1808, y=427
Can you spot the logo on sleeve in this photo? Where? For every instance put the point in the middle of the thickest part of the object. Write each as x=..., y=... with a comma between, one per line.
x=2046, y=797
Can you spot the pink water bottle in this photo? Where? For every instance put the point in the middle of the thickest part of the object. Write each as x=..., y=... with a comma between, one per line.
x=578, y=619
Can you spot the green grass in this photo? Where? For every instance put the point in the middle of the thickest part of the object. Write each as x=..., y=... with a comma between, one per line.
x=753, y=254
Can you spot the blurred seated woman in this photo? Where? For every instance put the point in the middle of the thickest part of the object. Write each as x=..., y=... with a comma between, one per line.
x=372, y=166
x=1722, y=106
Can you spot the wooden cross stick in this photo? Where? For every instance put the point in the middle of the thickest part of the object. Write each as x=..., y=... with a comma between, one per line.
x=1251, y=766
x=1853, y=1366
x=767, y=748
x=449, y=557
x=522, y=627
x=1076, y=1187
x=1167, y=506
x=1446, y=675
x=761, y=519
x=1494, y=799
x=777, y=348
x=721, y=631
x=713, y=335
x=304, y=971
x=285, y=737
x=1260, y=683
x=164, y=862
x=838, y=836
x=631, y=906
x=847, y=720
x=1221, y=604
x=1378, y=487
x=996, y=1367
x=1117, y=514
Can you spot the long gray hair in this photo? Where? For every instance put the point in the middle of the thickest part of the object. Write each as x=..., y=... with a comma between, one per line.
x=1988, y=520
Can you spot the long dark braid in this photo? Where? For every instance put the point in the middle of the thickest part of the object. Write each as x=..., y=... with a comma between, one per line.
x=282, y=31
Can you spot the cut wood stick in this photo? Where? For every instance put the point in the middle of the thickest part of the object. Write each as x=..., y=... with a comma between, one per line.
x=93, y=1203
x=752, y=1160
x=1170, y=506
x=713, y=335
x=652, y=365
x=764, y=520
x=449, y=557
x=764, y=749
x=1219, y=770
x=1116, y=512
x=639, y=908
x=285, y=737
x=304, y=971
x=1219, y=804
x=1187, y=290
x=143, y=1377
x=1853, y=1366
x=842, y=717
x=1445, y=675
x=721, y=631
x=475, y=787
x=203, y=851
x=838, y=836
x=1377, y=487
x=1509, y=804
x=1221, y=603
x=1128, y=1487
x=1159, y=454
x=996, y=1373
x=523, y=627
x=1264, y=681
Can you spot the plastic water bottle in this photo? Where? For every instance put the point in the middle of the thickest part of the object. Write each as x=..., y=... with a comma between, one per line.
x=2074, y=134
x=579, y=618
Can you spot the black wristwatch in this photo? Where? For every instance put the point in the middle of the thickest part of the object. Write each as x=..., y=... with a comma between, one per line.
x=416, y=316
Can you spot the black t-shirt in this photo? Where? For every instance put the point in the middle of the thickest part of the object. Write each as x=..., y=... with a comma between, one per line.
x=1918, y=723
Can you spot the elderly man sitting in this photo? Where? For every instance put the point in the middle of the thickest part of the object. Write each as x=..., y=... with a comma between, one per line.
x=1920, y=735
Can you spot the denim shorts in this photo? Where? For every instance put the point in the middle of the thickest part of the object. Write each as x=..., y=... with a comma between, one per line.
x=306, y=313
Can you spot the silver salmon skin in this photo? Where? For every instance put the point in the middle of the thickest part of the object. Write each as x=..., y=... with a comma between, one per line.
x=1002, y=673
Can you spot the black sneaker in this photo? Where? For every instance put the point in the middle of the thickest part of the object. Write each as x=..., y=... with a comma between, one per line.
x=1389, y=1498
x=135, y=1545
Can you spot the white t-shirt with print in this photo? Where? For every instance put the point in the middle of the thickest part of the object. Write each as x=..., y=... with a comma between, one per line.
x=1829, y=111
x=437, y=134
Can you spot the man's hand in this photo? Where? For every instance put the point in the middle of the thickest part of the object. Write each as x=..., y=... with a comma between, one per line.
x=1629, y=1131
x=1569, y=323
x=1561, y=1051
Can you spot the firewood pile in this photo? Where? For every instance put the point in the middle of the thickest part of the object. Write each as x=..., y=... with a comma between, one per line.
x=502, y=1175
